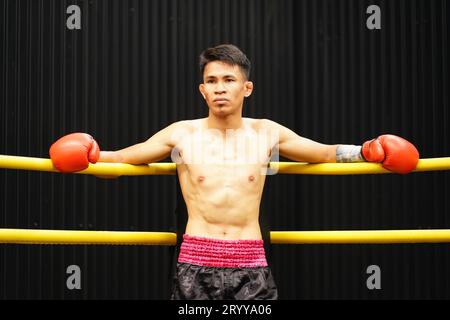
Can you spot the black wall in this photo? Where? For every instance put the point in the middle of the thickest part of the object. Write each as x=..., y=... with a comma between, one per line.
x=132, y=69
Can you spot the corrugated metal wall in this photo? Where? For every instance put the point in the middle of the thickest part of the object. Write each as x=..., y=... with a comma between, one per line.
x=132, y=69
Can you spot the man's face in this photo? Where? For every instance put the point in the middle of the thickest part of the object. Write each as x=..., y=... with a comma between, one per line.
x=224, y=88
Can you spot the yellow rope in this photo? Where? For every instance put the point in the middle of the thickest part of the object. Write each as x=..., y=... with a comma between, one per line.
x=277, y=237
x=430, y=164
x=100, y=168
x=32, y=236
x=122, y=169
x=360, y=236
x=72, y=237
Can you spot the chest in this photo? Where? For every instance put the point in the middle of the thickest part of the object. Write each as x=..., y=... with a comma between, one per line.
x=236, y=148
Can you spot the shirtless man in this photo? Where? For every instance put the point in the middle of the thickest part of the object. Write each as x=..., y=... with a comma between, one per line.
x=222, y=161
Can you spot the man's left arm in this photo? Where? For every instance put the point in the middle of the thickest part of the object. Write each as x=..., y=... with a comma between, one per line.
x=395, y=153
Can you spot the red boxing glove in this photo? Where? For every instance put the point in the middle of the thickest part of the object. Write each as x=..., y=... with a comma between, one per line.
x=396, y=154
x=74, y=151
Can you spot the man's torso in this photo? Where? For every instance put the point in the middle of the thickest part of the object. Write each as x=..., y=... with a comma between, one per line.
x=222, y=176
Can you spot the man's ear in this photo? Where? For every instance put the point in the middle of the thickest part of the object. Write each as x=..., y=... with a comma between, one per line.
x=201, y=87
x=248, y=88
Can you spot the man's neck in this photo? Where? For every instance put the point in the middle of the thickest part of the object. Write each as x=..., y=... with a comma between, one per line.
x=231, y=122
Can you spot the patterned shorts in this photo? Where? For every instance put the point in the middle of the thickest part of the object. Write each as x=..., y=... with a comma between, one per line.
x=212, y=269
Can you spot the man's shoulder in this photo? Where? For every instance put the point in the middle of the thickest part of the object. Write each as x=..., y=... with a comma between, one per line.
x=192, y=122
x=253, y=120
x=261, y=123
x=187, y=124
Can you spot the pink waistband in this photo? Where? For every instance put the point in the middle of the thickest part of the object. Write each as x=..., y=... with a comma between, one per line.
x=222, y=253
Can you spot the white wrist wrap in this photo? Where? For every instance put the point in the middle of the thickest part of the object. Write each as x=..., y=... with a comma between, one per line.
x=348, y=153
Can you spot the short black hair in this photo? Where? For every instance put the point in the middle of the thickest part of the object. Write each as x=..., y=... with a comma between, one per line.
x=226, y=53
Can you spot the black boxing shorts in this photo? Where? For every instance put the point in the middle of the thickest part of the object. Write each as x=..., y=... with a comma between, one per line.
x=212, y=269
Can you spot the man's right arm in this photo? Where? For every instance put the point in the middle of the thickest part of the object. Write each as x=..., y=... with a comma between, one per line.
x=156, y=148
x=75, y=151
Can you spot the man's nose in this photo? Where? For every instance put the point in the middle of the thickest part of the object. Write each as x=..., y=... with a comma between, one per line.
x=220, y=87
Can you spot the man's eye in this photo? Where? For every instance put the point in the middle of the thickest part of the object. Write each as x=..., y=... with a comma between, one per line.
x=210, y=81
x=230, y=80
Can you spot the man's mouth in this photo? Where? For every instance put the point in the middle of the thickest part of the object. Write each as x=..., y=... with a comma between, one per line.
x=220, y=100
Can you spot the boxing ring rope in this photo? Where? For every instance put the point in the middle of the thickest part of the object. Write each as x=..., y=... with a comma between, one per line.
x=122, y=169
x=70, y=237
